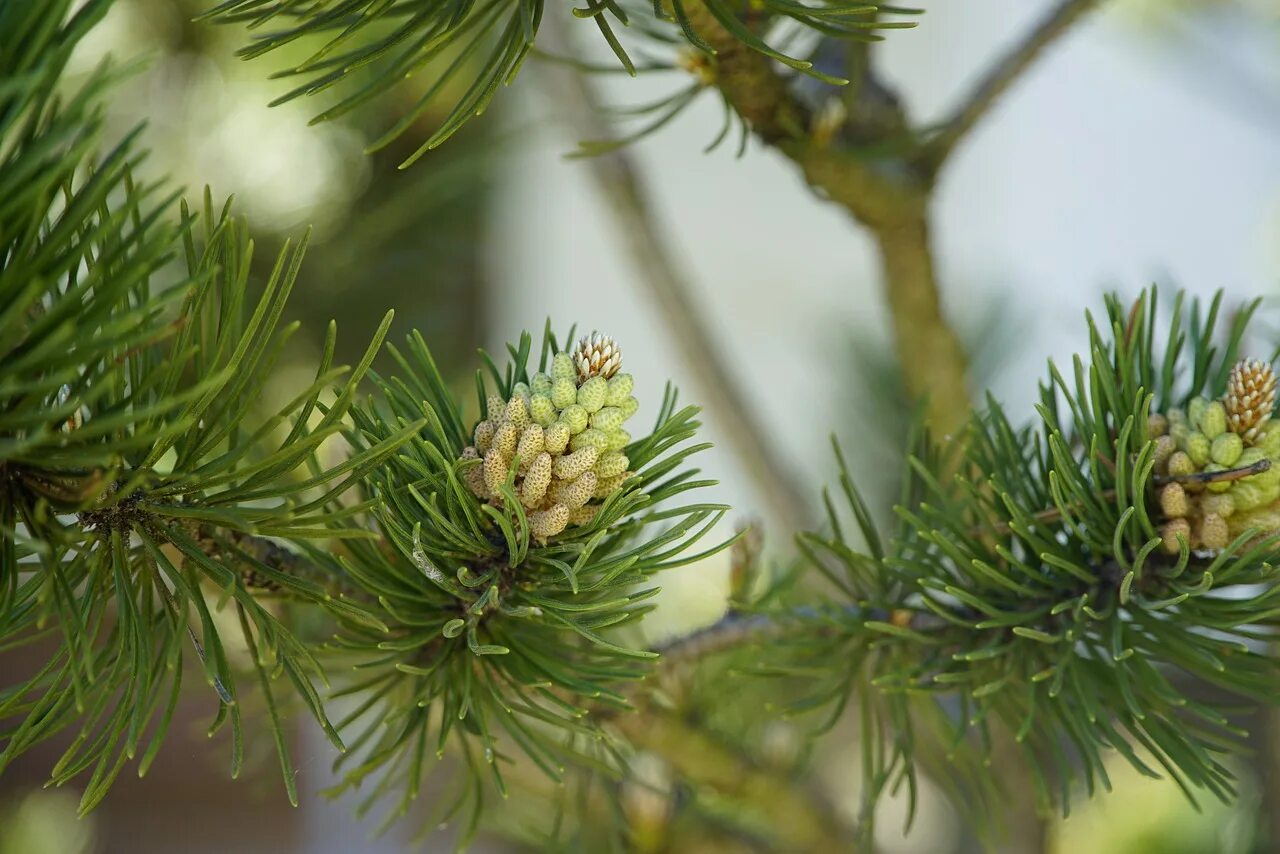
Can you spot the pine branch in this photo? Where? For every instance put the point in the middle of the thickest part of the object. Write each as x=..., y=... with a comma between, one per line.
x=739, y=630
x=1003, y=74
x=800, y=819
x=654, y=262
x=1064, y=626
x=385, y=42
x=892, y=203
x=499, y=585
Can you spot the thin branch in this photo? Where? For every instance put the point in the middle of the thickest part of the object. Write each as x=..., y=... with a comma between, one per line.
x=718, y=388
x=277, y=557
x=736, y=630
x=880, y=191
x=997, y=81
x=799, y=818
x=1215, y=476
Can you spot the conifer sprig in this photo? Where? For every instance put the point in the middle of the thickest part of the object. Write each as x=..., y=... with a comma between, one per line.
x=500, y=642
x=1024, y=596
x=364, y=49
x=133, y=465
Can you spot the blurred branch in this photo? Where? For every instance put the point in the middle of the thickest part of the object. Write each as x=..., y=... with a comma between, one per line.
x=801, y=819
x=891, y=201
x=249, y=550
x=719, y=389
x=1268, y=768
x=999, y=78
x=736, y=630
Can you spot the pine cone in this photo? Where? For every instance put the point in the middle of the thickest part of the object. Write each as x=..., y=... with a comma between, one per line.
x=597, y=356
x=1251, y=397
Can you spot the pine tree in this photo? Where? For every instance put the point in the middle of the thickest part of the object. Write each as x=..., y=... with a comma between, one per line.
x=468, y=570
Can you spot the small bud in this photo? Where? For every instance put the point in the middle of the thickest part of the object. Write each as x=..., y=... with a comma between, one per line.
x=521, y=390
x=1180, y=464
x=1180, y=430
x=1199, y=447
x=597, y=356
x=1250, y=398
x=473, y=477
x=563, y=393
x=530, y=445
x=1213, y=423
x=1248, y=496
x=562, y=368
x=517, y=413
x=1269, y=439
x=1268, y=478
x=589, y=438
x=628, y=406
x=591, y=393
x=1217, y=485
x=540, y=384
x=542, y=410
x=1173, y=531
x=607, y=419
x=497, y=408
x=575, y=417
x=620, y=388
x=556, y=437
x=1195, y=410
x=570, y=466
x=612, y=464
x=484, y=435
x=1165, y=446
x=495, y=470
x=536, y=481
x=1226, y=449
x=1221, y=503
x=609, y=485
x=583, y=515
x=618, y=440
x=1173, y=501
x=1250, y=456
x=549, y=522
x=1176, y=416
x=1266, y=521
x=574, y=493
x=1213, y=532
x=1157, y=425
x=504, y=440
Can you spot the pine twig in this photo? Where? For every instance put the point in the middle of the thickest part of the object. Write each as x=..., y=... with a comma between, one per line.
x=1052, y=514
x=801, y=819
x=720, y=392
x=1000, y=78
x=285, y=561
x=738, y=629
x=892, y=202
x=1215, y=476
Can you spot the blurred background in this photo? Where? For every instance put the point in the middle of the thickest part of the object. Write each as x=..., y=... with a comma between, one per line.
x=1144, y=148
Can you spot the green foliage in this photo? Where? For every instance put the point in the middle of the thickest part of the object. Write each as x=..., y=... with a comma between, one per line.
x=1023, y=593
x=497, y=642
x=149, y=508
x=132, y=464
x=367, y=48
